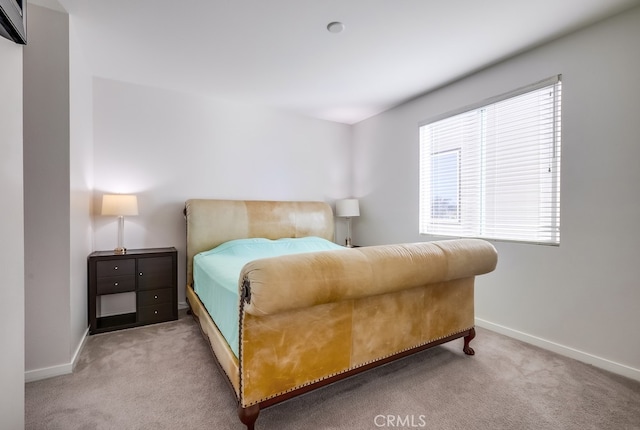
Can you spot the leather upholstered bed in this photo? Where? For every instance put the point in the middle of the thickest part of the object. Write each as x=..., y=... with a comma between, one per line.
x=307, y=320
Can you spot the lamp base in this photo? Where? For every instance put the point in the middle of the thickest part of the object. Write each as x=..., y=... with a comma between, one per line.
x=347, y=243
x=120, y=251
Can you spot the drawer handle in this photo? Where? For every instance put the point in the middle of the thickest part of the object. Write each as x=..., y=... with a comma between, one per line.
x=155, y=297
x=115, y=268
x=115, y=283
x=140, y=273
x=155, y=312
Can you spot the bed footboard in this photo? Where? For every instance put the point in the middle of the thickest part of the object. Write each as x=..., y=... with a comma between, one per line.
x=281, y=353
x=248, y=415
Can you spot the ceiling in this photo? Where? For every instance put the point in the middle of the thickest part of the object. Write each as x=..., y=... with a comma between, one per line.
x=278, y=53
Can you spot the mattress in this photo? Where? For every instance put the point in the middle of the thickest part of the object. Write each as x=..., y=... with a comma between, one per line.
x=216, y=275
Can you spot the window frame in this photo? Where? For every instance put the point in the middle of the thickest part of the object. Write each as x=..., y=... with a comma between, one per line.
x=426, y=219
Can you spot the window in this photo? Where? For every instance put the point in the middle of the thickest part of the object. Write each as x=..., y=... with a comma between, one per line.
x=492, y=170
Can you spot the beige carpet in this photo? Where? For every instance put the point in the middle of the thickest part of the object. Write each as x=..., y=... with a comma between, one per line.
x=163, y=377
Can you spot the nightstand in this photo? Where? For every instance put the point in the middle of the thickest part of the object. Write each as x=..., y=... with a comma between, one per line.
x=152, y=274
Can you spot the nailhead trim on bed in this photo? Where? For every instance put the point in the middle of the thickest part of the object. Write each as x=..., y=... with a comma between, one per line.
x=240, y=335
x=244, y=405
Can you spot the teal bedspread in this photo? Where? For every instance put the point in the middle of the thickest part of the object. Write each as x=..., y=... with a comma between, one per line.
x=216, y=275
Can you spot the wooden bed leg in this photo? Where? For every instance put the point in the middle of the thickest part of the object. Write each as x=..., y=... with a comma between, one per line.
x=249, y=415
x=468, y=338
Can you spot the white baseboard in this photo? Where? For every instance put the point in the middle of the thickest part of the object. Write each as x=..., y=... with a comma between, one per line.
x=62, y=369
x=183, y=305
x=584, y=357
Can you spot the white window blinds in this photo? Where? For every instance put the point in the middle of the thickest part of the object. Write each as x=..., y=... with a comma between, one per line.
x=493, y=170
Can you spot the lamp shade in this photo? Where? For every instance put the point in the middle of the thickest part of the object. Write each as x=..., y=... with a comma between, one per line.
x=119, y=204
x=347, y=208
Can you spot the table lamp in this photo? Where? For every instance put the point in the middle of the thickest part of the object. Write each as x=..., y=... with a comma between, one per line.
x=120, y=205
x=348, y=208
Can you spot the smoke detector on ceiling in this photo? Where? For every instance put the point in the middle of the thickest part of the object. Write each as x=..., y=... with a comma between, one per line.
x=335, y=27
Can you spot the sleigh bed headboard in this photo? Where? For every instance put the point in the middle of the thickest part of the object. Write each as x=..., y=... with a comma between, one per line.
x=212, y=222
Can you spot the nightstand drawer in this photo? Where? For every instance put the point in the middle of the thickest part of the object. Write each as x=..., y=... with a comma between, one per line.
x=115, y=284
x=155, y=273
x=155, y=297
x=116, y=267
x=151, y=314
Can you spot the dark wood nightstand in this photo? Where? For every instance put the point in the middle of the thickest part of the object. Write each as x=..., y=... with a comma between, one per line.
x=152, y=274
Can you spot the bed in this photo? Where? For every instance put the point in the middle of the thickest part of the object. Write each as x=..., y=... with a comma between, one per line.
x=302, y=320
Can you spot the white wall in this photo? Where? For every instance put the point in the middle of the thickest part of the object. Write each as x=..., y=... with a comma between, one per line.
x=12, y=234
x=47, y=191
x=168, y=147
x=580, y=298
x=81, y=187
